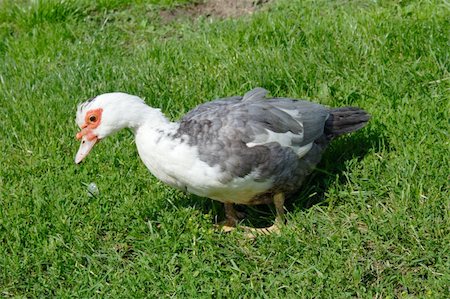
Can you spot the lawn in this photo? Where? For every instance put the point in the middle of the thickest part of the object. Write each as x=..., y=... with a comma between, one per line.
x=372, y=222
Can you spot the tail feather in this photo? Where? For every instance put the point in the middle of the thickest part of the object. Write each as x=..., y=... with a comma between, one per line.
x=345, y=120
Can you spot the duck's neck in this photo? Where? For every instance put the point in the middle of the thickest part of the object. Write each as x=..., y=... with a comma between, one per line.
x=136, y=114
x=149, y=117
x=159, y=147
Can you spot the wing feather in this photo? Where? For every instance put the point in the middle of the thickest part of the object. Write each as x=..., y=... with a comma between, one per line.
x=247, y=130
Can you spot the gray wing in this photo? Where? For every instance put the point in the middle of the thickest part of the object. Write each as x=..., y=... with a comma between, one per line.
x=197, y=112
x=242, y=134
x=215, y=105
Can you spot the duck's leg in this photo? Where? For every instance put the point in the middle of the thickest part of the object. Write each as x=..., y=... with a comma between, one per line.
x=278, y=200
x=232, y=218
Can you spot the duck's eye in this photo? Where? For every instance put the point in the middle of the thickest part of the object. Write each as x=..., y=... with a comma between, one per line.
x=92, y=118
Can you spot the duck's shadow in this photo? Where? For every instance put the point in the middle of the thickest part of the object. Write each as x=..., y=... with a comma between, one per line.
x=334, y=162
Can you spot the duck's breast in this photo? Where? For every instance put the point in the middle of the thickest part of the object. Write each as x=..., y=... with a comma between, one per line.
x=178, y=164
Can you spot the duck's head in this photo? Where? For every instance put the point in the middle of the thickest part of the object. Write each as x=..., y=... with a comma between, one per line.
x=101, y=116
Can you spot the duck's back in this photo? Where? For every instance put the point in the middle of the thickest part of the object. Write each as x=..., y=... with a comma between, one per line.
x=275, y=140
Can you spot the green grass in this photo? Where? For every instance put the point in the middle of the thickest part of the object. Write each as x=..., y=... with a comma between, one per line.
x=372, y=222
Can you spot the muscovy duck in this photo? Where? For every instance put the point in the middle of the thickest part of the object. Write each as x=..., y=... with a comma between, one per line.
x=238, y=150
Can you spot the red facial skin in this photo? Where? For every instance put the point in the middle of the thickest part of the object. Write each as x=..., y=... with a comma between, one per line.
x=91, y=121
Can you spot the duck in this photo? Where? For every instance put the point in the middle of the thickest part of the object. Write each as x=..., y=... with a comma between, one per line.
x=239, y=150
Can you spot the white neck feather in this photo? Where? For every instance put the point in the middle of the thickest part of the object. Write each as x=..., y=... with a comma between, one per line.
x=131, y=112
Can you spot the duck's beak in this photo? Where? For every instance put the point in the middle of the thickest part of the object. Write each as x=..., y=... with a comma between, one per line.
x=85, y=148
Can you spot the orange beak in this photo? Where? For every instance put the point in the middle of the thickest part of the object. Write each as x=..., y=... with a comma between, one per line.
x=88, y=140
x=85, y=148
x=87, y=137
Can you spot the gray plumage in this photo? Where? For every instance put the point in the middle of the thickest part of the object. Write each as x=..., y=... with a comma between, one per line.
x=277, y=139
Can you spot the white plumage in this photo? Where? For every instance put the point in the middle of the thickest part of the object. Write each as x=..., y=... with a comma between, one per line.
x=245, y=150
